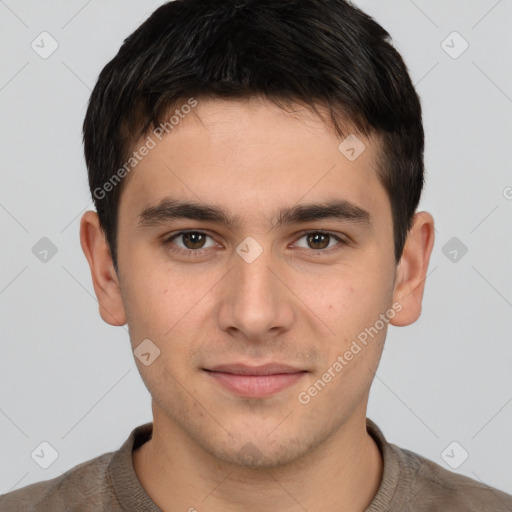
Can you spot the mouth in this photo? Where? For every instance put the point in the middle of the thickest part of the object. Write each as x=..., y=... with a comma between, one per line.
x=255, y=381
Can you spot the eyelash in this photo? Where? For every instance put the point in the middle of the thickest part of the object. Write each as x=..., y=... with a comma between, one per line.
x=200, y=252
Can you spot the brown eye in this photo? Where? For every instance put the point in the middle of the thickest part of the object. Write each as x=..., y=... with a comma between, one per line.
x=193, y=240
x=320, y=241
x=189, y=241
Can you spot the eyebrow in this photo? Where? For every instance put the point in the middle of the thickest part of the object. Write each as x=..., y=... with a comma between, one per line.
x=169, y=209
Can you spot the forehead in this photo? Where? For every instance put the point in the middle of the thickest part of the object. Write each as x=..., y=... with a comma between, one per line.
x=252, y=155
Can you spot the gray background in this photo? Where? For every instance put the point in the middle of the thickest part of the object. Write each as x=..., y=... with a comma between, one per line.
x=69, y=379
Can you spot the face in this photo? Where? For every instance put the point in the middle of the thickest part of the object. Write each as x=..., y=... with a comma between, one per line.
x=282, y=284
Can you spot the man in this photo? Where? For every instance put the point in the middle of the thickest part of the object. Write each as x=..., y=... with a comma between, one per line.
x=256, y=168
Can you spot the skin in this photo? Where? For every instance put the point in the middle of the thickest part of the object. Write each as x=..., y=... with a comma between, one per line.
x=291, y=305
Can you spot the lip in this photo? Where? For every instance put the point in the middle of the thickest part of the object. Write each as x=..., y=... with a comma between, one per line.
x=244, y=369
x=255, y=381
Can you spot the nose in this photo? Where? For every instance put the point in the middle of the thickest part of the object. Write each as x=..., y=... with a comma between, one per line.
x=255, y=303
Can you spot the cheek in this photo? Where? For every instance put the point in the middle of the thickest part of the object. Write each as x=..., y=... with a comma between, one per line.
x=351, y=303
x=150, y=302
x=165, y=307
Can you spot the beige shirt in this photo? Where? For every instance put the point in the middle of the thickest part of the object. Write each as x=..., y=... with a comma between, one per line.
x=410, y=483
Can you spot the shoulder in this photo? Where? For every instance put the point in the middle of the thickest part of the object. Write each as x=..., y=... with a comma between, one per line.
x=435, y=488
x=84, y=488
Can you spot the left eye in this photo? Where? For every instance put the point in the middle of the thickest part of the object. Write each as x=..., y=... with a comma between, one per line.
x=193, y=240
x=319, y=240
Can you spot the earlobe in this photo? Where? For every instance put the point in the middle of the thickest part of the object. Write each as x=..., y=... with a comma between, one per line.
x=104, y=277
x=412, y=269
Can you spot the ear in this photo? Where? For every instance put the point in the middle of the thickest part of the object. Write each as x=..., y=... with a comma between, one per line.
x=104, y=276
x=412, y=269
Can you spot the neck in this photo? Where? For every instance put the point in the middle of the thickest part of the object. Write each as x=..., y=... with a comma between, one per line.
x=343, y=473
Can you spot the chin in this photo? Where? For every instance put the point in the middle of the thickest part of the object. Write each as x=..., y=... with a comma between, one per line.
x=258, y=451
